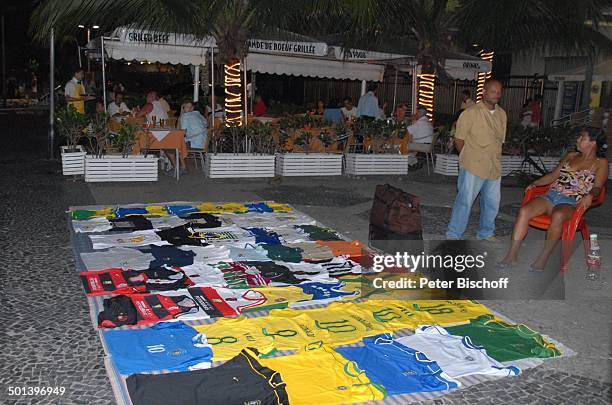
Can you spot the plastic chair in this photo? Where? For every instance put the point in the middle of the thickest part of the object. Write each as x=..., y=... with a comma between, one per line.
x=575, y=223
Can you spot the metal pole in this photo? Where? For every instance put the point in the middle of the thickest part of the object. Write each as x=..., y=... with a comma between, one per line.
x=455, y=98
x=3, y=64
x=559, y=100
x=88, y=61
x=196, y=83
x=252, y=88
x=51, y=93
x=103, y=75
x=394, y=92
x=212, y=80
x=79, y=54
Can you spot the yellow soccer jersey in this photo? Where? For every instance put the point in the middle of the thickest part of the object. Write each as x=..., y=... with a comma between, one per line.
x=228, y=336
x=323, y=377
x=279, y=297
x=449, y=312
x=224, y=208
x=156, y=210
x=278, y=207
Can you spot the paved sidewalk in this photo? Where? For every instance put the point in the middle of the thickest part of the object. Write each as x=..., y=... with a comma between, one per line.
x=48, y=339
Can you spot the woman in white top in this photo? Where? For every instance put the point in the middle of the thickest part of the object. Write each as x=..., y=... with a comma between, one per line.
x=349, y=112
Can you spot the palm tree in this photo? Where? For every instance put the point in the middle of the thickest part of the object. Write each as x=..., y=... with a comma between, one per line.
x=439, y=26
x=230, y=22
x=537, y=25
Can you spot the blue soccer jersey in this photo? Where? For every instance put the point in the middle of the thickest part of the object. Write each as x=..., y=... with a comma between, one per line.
x=171, y=346
x=400, y=369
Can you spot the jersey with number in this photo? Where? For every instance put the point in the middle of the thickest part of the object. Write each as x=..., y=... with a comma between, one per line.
x=456, y=355
x=337, y=380
x=171, y=346
x=400, y=369
x=504, y=341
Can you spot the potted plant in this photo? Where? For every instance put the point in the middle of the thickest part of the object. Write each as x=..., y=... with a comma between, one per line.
x=71, y=126
x=242, y=152
x=101, y=167
x=371, y=158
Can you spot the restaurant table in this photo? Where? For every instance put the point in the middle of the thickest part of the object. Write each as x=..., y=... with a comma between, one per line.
x=162, y=138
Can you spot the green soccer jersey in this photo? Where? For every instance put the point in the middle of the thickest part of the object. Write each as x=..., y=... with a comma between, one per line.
x=283, y=253
x=318, y=233
x=504, y=341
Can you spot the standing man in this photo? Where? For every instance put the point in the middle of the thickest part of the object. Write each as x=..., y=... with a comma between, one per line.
x=75, y=92
x=368, y=104
x=481, y=131
x=466, y=100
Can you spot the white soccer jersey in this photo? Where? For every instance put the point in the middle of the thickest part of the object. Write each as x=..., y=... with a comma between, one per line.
x=98, y=224
x=457, y=356
x=124, y=258
x=132, y=239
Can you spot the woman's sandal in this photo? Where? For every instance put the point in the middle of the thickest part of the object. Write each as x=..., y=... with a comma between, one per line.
x=503, y=266
x=535, y=270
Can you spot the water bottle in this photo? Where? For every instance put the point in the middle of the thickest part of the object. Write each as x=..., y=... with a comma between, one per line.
x=593, y=261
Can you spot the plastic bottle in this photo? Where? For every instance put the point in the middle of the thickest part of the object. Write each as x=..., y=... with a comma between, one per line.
x=594, y=261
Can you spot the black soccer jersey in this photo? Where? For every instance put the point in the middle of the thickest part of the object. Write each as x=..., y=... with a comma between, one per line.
x=242, y=380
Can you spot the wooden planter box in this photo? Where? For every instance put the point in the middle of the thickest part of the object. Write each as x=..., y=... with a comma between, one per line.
x=116, y=168
x=73, y=163
x=373, y=164
x=308, y=164
x=230, y=165
x=448, y=165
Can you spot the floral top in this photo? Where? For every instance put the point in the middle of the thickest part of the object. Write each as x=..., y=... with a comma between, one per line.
x=574, y=183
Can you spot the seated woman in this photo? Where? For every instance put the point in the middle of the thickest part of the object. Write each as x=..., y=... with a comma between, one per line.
x=260, y=107
x=194, y=124
x=578, y=178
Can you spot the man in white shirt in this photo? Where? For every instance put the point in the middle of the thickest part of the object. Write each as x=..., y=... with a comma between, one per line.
x=118, y=109
x=152, y=110
x=421, y=135
x=368, y=104
x=466, y=100
x=349, y=112
x=75, y=91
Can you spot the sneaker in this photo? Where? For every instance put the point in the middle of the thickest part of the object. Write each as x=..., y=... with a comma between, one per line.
x=491, y=238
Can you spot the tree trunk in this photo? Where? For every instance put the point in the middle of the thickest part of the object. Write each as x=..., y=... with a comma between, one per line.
x=233, y=94
x=588, y=81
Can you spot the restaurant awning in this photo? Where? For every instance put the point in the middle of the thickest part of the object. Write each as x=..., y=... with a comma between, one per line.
x=602, y=71
x=314, y=67
x=135, y=44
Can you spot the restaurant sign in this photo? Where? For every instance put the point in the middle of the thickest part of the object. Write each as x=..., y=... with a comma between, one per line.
x=361, y=55
x=145, y=37
x=288, y=47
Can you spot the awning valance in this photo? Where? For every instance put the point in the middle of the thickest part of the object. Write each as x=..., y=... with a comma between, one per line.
x=311, y=67
x=142, y=45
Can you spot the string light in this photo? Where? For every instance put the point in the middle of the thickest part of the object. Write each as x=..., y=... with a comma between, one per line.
x=483, y=76
x=427, y=84
x=233, y=94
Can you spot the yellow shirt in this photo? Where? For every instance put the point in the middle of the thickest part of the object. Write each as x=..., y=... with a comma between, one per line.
x=339, y=323
x=224, y=208
x=484, y=133
x=75, y=89
x=278, y=207
x=323, y=377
